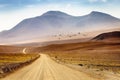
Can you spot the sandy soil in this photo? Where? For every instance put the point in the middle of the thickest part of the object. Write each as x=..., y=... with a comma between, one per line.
x=96, y=72
x=45, y=68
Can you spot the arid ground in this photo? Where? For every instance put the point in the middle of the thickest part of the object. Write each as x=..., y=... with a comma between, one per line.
x=93, y=60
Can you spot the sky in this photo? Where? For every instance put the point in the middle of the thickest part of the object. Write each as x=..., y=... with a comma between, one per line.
x=13, y=12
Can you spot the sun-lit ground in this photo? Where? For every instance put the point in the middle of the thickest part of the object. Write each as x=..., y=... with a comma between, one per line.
x=11, y=62
x=98, y=59
x=94, y=53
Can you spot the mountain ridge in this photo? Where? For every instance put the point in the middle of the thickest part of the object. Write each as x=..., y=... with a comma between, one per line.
x=56, y=22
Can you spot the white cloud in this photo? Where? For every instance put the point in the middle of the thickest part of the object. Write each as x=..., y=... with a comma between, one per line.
x=68, y=5
x=104, y=0
x=3, y=5
x=92, y=1
x=29, y=6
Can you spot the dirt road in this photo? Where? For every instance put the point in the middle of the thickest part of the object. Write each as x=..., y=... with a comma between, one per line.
x=45, y=68
x=24, y=51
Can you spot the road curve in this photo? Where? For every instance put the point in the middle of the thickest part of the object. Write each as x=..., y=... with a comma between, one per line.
x=24, y=50
x=45, y=68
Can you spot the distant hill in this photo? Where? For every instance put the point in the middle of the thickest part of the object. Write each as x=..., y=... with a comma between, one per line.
x=10, y=49
x=55, y=22
x=108, y=36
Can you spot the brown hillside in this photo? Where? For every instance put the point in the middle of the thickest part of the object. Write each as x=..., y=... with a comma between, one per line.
x=107, y=36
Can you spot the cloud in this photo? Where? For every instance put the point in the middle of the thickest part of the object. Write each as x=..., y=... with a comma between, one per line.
x=30, y=6
x=68, y=5
x=92, y=1
x=104, y=0
x=3, y=5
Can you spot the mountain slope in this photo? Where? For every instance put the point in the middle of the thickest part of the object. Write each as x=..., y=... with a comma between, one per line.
x=108, y=36
x=99, y=19
x=55, y=22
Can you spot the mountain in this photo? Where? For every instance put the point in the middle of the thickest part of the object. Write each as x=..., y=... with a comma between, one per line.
x=56, y=22
x=107, y=36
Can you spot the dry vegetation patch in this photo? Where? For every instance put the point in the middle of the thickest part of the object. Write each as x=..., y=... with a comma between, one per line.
x=99, y=54
x=11, y=62
x=97, y=59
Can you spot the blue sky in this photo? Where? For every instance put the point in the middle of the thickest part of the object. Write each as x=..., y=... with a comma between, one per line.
x=14, y=11
x=20, y=4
